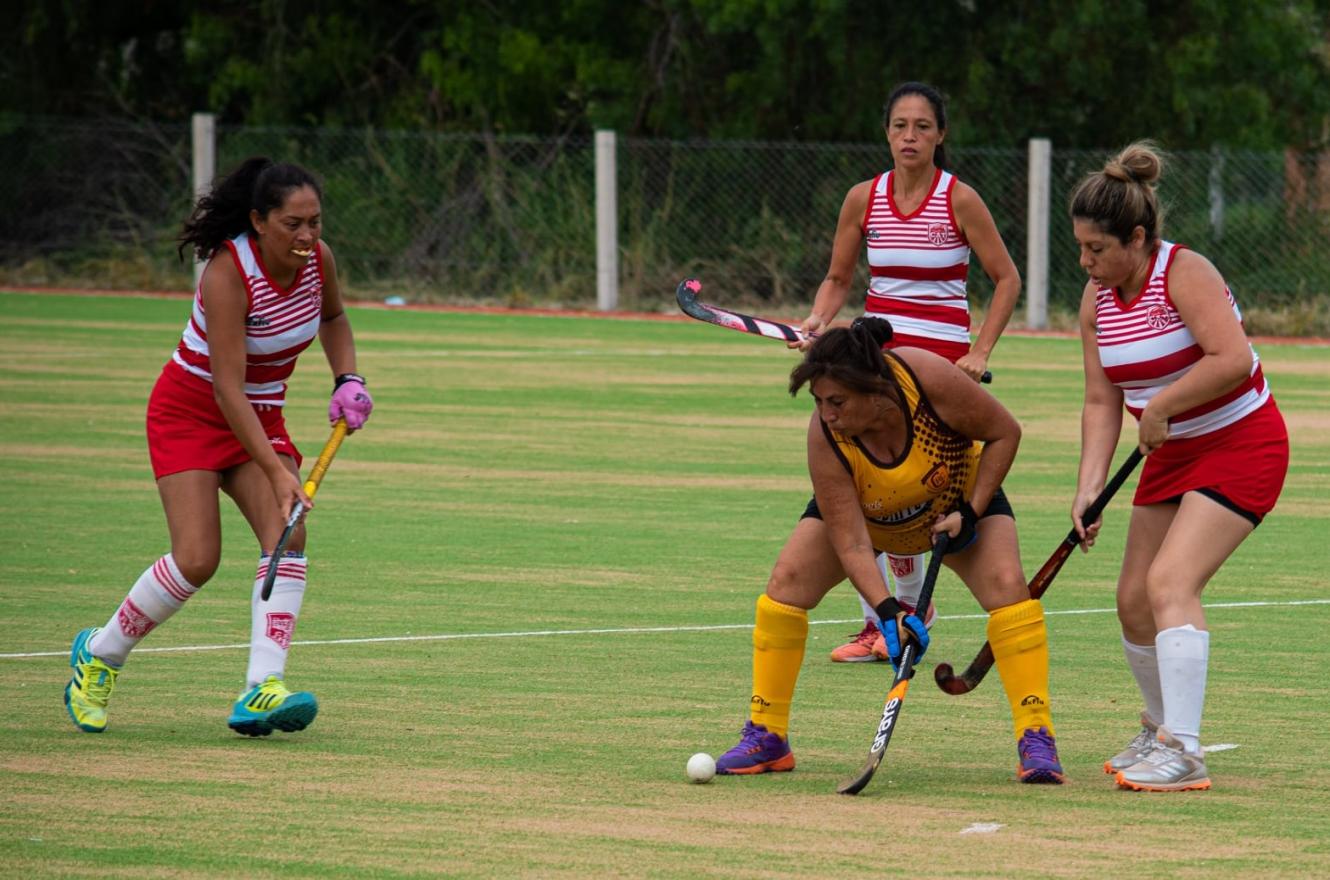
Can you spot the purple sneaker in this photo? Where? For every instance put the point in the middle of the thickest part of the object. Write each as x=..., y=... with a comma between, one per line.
x=1039, y=758
x=759, y=751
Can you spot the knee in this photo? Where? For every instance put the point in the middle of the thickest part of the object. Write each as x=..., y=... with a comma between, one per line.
x=198, y=566
x=785, y=586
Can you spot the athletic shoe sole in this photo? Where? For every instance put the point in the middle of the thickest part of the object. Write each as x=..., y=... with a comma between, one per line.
x=783, y=764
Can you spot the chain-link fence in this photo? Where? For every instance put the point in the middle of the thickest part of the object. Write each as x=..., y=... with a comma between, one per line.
x=456, y=218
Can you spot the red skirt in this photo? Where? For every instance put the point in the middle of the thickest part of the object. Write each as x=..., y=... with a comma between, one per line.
x=187, y=431
x=1245, y=462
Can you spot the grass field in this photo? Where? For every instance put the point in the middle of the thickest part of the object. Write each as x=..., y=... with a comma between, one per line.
x=532, y=583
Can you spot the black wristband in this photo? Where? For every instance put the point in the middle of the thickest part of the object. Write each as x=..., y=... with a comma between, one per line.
x=348, y=377
x=888, y=608
x=968, y=516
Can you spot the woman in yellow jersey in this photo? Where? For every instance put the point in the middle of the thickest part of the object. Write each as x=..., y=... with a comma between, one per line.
x=902, y=446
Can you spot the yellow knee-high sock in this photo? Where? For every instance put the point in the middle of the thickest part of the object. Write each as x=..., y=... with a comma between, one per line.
x=778, y=650
x=1020, y=647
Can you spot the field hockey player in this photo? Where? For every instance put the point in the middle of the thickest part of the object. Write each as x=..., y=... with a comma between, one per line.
x=902, y=446
x=215, y=425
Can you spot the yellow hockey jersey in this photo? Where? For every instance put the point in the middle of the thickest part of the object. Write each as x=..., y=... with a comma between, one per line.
x=901, y=499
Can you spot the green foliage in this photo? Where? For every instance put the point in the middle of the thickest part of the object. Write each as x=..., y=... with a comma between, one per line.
x=1092, y=74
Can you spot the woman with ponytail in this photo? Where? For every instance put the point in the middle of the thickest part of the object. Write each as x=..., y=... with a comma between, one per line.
x=902, y=445
x=1162, y=335
x=215, y=425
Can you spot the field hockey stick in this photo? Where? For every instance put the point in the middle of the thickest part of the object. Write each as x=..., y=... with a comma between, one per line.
x=686, y=294
x=298, y=510
x=967, y=681
x=901, y=683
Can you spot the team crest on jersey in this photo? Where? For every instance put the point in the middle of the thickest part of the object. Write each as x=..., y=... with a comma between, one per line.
x=1157, y=317
x=937, y=479
x=938, y=233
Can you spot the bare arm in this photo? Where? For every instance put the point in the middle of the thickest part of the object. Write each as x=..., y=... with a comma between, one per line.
x=835, y=287
x=838, y=500
x=226, y=304
x=1101, y=422
x=972, y=412
x=1197, y=291
x=335, y=330
x=977, y=226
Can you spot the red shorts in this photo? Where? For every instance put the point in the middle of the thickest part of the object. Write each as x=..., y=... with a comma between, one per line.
x=187, y=431
x=1245, y=463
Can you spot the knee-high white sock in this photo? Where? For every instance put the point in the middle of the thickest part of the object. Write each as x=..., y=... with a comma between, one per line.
x=909, y=576
x=1184, y=655
x=1144, y=666
x=273, y=623
x=158, y=593
x=870, y=613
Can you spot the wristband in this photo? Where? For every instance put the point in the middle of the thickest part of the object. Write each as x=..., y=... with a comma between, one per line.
x=968, y=516
x=348, y=377
x=888, y=608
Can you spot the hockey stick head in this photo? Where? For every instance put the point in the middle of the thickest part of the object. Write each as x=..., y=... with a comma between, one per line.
x=686, y=295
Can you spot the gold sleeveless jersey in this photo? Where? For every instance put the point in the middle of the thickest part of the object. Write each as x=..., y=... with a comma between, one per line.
x=901, y=499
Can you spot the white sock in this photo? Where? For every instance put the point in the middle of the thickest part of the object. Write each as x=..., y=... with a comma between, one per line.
x=156, y=595
x=870, y=613
x=908, y=572
x=273, y=623
x=1184, y=654
x=1145, y=666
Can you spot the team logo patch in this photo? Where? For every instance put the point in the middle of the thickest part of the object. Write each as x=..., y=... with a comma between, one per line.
x=938, y=233
x=133, y=621
x=901, y=566
x=938, y=478
x=758, y=702
x=1157, y=317
x=280, y=627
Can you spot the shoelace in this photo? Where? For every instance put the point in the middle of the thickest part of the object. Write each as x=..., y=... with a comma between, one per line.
x=1038, y=746
x=750, y=740
x=867, y=635
x=100, y=679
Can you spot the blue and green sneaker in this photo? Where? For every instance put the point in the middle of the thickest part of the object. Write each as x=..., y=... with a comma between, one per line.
x=269, y=706
x=89, y=690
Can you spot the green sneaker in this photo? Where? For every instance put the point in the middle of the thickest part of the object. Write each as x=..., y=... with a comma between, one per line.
x=89, y=690
x=269, y=706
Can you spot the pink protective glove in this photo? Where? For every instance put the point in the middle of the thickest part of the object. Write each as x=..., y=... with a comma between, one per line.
x=350, y=401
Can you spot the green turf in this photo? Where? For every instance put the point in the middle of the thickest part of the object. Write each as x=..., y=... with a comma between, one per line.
x=620, y=487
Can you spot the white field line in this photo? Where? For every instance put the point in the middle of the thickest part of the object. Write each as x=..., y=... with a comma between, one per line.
x=622, y=630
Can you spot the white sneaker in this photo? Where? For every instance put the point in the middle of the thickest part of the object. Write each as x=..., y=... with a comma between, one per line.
x=1142, y=745
x=1168, y=767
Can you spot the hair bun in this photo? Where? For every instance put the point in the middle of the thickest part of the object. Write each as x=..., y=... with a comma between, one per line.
x=878, y=329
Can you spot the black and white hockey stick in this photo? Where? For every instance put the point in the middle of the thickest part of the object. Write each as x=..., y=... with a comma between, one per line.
x=900, y=684
x=968, y=680
x=686, y=294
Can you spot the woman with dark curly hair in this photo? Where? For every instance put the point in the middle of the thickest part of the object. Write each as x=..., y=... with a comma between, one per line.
x=215, y=424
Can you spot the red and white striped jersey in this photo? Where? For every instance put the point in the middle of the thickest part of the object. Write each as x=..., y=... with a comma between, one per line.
x=1144, y=347
x=279, y=324
x=918, y=263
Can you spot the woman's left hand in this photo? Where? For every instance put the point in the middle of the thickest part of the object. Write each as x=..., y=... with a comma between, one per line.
x=1153, y=431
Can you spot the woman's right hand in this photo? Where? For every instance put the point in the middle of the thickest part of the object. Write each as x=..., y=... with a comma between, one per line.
x=808, y=330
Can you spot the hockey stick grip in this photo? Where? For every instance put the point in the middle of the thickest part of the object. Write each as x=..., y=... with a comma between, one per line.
x=298, y=510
